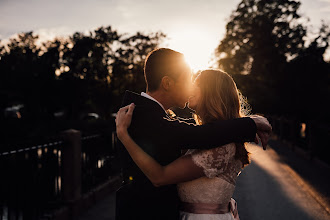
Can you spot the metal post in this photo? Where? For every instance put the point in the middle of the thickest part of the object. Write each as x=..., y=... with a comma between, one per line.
x=71, y=165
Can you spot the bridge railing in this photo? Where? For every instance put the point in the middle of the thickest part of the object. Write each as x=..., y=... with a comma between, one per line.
x=310, y=136
x=37, y=180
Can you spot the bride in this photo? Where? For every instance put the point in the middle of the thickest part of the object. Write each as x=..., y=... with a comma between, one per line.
x=205, y=178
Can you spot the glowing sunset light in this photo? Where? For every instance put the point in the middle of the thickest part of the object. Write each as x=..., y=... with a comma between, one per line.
x=196, y=44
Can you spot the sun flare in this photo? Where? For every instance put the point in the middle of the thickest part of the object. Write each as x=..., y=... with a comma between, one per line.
x=196, y=45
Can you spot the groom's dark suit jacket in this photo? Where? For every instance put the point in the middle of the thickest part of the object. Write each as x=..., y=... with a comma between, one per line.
x=163, y=139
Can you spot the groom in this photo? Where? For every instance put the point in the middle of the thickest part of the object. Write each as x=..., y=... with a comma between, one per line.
x=168, y=79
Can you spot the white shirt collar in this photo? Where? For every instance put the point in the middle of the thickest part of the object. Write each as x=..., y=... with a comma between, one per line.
x=153, y=99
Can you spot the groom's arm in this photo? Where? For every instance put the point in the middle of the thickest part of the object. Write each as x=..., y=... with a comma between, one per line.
x=190, y=136
x=187, y=135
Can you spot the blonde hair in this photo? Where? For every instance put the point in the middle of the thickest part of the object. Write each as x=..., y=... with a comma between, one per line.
x=221, y=100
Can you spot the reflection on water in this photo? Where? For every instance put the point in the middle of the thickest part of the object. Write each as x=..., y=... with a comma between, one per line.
x=59, y=158
x=100, y=163
x=5, y=214
x=39, y=152
x=303, y=130
x=35, y=178
x=58, y=184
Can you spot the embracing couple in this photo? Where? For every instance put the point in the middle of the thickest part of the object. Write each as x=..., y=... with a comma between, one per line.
x=175, y=168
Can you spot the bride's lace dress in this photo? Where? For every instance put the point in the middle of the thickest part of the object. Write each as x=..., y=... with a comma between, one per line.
x=217, y=187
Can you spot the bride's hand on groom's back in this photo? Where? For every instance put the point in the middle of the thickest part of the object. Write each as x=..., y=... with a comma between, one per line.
x=124, y=119
x=263, y=129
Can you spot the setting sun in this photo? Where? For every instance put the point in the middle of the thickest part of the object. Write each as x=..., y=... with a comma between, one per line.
x=197, y=46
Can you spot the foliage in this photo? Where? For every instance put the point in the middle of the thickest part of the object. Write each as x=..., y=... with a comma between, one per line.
x=77, y=74
x=265, y=49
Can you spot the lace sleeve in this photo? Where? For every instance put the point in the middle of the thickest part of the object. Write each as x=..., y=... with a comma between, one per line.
x=214, y=161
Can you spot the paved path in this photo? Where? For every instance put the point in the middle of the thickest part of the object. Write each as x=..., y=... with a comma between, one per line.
x=269, y=188
x=103, y=210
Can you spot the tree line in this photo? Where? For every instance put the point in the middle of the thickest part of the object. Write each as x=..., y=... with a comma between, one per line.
x=82, y=71
x=267, y=49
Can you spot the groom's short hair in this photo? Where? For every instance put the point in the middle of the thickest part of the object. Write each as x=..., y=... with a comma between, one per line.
x=163, y=62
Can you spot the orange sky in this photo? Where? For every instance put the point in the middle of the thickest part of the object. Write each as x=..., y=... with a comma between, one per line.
x=194, y=27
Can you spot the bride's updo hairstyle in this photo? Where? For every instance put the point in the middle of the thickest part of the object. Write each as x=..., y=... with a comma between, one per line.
x=221, y=100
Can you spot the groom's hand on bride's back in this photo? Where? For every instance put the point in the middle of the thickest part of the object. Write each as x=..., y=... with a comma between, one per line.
x=263, y=129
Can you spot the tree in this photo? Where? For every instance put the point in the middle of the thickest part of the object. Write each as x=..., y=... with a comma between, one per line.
x=86, y=63
x=258, y=32
x=309, y=79
x=128, y=65
x=20, y=70
x=261, y=49
x=89, y=56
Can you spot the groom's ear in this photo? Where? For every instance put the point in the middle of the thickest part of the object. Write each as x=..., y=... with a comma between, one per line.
x=166, y=83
